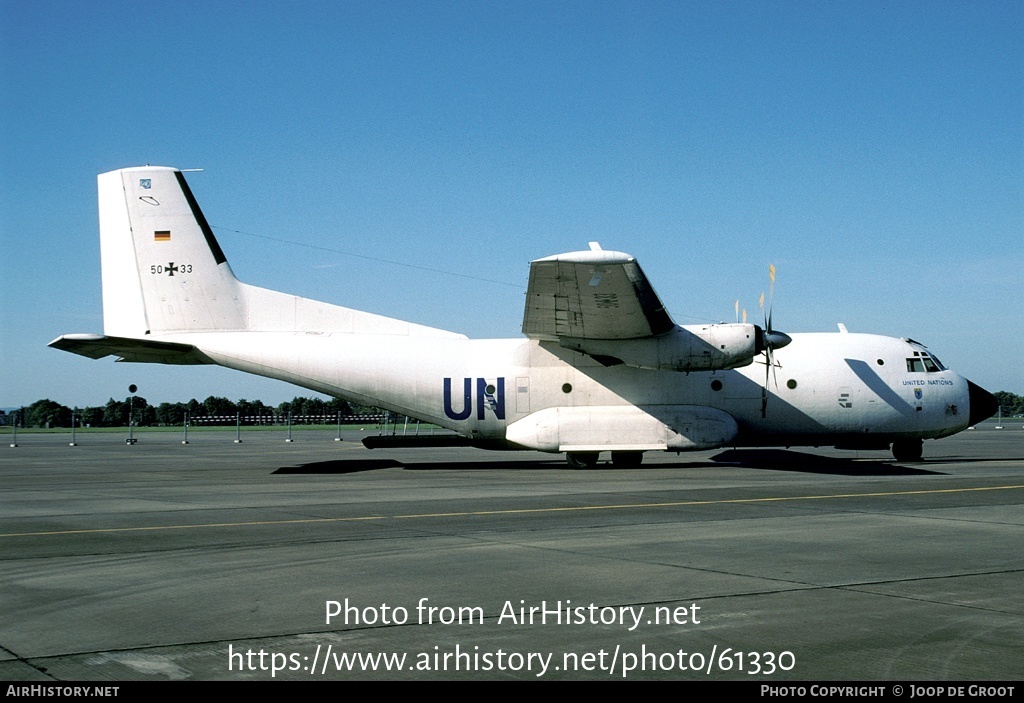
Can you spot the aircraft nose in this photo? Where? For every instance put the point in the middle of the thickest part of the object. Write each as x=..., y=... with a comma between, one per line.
x=983, y=404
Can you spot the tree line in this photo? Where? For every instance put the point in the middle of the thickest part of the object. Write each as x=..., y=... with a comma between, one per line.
x=48, y=413
x=1011, y=403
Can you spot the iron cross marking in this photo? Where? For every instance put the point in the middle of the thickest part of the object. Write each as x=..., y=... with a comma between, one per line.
x=171, y=268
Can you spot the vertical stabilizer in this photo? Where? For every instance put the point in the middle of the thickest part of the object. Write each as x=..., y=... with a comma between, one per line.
x=163, y=270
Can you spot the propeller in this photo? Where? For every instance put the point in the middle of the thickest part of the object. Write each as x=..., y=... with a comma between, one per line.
x=769, y=340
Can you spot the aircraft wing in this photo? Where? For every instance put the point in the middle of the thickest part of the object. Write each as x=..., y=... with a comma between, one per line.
x=592, y=294
x=97, y=346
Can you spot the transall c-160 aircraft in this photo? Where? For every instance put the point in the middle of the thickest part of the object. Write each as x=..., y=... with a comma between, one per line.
x=602, y=366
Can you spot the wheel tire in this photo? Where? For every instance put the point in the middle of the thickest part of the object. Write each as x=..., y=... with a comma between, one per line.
x=627, y=460
x=582, y=460
x=907, y=449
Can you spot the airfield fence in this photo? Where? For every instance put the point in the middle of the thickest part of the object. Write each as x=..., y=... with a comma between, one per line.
x=385, y=422
x=283, y=419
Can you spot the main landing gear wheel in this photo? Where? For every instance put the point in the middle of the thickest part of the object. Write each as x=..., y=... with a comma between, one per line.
x=582, y=460
x=627, y=460
x=907, y=449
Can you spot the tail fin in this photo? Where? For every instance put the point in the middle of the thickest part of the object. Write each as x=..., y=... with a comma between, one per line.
x=163, y=270
x=165, y=274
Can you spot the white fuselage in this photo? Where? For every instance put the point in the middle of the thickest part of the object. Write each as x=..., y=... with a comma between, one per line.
x=826, y=388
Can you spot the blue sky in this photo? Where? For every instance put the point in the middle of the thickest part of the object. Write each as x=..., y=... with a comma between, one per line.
x=873, y=151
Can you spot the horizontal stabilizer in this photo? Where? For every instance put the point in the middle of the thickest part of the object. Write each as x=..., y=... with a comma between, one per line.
x=97, y=346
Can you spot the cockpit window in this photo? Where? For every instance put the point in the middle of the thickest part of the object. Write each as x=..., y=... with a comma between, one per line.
x=923, y=363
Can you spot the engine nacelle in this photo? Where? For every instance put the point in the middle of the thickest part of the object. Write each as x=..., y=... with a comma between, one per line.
x=686, y=348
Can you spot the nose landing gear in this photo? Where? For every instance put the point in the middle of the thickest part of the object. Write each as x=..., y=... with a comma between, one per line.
x=907, y=449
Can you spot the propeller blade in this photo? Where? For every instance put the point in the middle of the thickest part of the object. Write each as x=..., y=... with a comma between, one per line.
x=764, y=388
x=771, y=340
